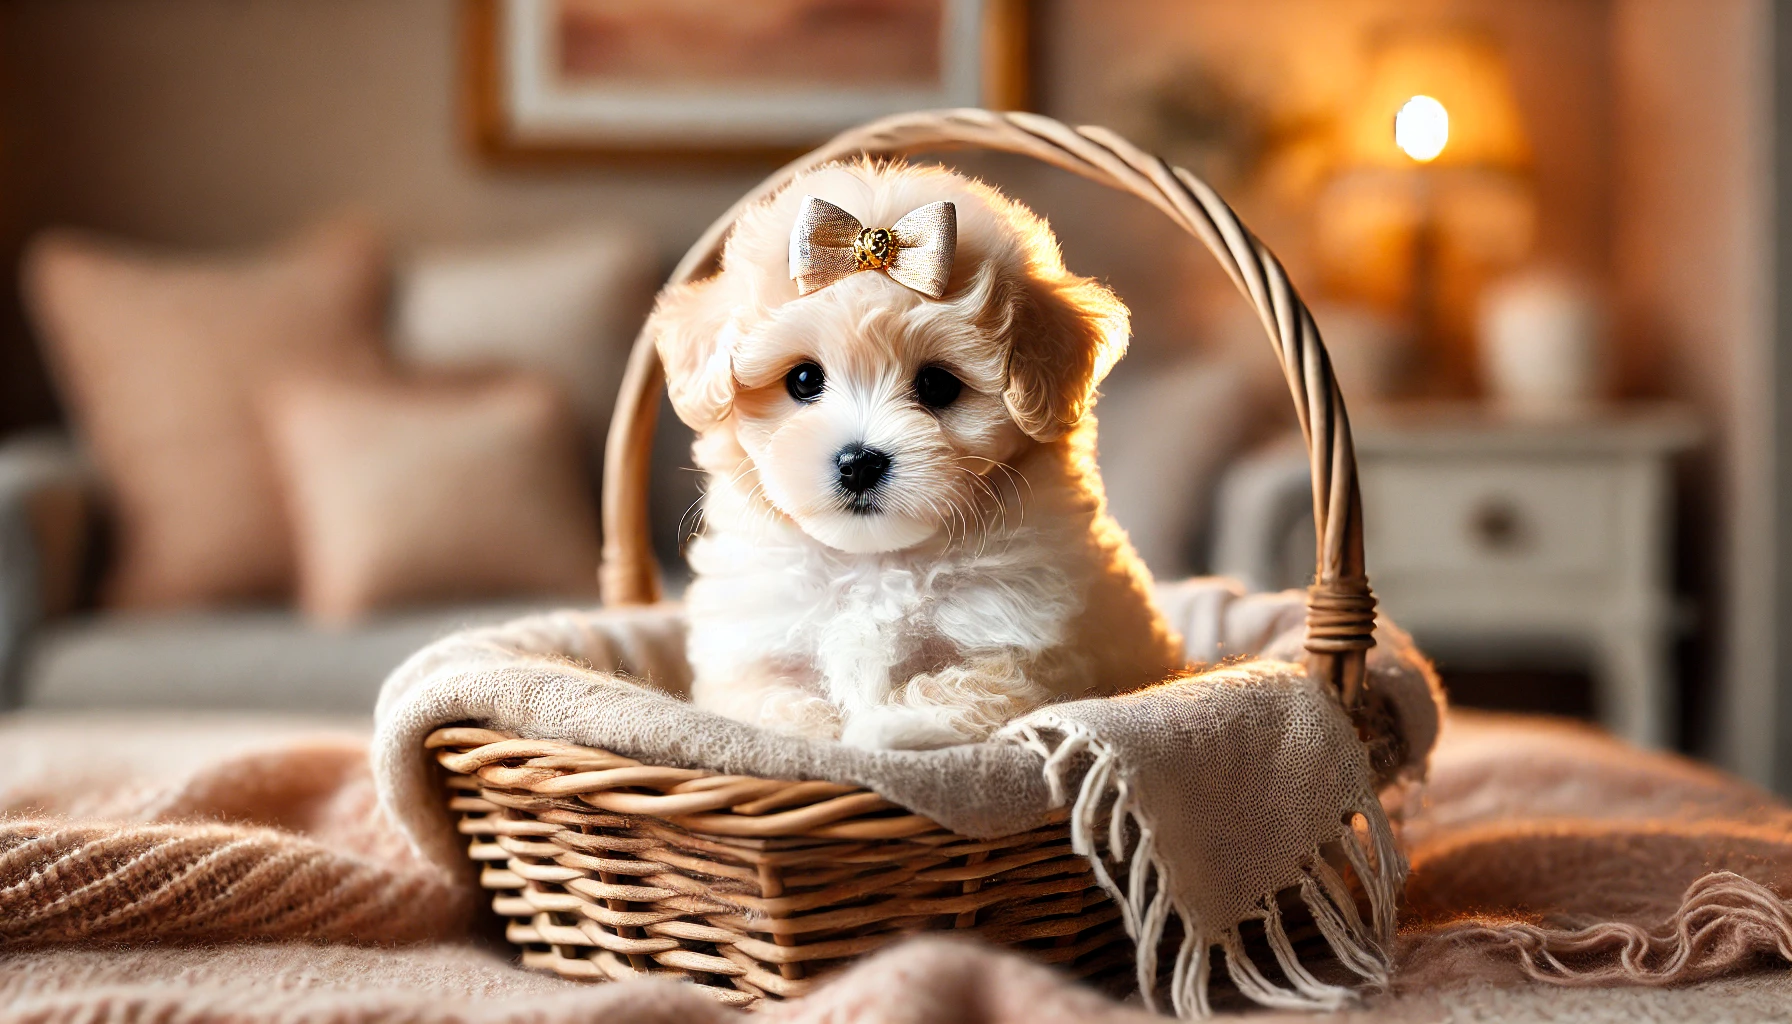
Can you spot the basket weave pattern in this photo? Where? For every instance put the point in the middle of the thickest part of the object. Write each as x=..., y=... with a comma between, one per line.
x=606, y=868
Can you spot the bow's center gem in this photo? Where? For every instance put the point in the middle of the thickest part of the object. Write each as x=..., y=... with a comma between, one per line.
x=873, y=248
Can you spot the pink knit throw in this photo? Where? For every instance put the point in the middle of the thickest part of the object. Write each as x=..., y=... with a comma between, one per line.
x=1541, y=854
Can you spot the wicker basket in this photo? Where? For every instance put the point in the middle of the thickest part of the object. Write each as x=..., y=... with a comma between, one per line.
x=607, y=868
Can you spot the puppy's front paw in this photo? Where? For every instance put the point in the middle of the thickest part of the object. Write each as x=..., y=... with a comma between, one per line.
x=892, y=727
x=800, y=715
x=770, y=701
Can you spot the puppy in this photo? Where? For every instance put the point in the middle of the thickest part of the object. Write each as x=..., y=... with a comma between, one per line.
x=904, y=542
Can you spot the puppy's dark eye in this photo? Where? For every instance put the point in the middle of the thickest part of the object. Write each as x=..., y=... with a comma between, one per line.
x=936, y=387
x=805, y=381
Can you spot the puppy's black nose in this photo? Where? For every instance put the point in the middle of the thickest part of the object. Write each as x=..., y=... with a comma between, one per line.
x=861, y=468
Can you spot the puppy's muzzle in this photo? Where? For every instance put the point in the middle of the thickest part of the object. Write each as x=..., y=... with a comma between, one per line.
x=861, y=469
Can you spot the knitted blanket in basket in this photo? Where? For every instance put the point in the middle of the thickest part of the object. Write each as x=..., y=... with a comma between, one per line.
x=1196, y=801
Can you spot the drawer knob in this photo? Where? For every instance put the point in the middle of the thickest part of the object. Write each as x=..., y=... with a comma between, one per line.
x=1497, y=525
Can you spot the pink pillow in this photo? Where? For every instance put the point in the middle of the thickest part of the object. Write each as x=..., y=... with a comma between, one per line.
x=406, y=493
x=159, y=357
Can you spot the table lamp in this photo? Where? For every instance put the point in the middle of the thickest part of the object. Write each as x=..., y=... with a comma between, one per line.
x=1439, y=98
x=1434, y=167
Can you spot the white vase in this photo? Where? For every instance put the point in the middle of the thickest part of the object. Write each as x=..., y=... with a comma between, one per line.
x=1542, y=344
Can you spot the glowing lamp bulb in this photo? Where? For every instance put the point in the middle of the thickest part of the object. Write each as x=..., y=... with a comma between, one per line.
x=1422, y=128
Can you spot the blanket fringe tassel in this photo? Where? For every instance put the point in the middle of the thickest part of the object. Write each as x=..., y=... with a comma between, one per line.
x=1723, y=917
x=1146, y=901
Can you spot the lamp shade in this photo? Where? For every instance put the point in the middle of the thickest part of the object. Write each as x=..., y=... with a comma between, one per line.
x=1419, y=71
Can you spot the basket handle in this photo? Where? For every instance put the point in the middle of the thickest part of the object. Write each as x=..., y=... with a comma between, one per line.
x=1340, y=606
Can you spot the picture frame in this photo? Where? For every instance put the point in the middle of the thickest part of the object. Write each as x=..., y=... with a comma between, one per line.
x=580, y=80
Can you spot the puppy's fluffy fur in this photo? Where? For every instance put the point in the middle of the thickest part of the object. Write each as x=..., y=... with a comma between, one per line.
x=985, y=577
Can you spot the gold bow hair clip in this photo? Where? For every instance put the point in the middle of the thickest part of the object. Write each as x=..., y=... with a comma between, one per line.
x=828, y=244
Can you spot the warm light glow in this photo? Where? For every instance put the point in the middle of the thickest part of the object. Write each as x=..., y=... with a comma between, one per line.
x=1421, y=128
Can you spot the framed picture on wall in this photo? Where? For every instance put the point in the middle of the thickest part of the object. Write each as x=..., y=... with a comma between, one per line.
x=600, y=77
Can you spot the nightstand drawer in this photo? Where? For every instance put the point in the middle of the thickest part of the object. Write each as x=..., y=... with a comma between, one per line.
x=1542, y=519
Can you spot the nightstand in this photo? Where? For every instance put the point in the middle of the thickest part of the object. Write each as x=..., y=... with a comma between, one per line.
x=1497, y=540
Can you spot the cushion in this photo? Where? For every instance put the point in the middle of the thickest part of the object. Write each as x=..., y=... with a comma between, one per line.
x=248, y=659
x=404, y=493
x=566, y=306
x=158, y=357
x=1167, y=434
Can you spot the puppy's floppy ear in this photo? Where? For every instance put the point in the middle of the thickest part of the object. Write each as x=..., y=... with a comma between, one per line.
x=1066, y=334
x=692, y=327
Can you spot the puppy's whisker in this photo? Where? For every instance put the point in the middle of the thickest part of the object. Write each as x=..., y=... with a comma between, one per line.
x=969, y=511
x=760, y=507
x=757, y=504
x=949, y=517
x=690, y=523
x=954, y=519
x=946, y=518
x=988, y=513
x=1015, y=479
x=1009, y=473
x=965, y=501
x=988, y=487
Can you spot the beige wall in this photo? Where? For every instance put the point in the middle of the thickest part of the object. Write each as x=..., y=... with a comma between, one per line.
x=207, y=122
x=1692, y=274
x=225, y=121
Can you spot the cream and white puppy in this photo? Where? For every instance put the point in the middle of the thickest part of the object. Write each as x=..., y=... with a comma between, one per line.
x=904, y=539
